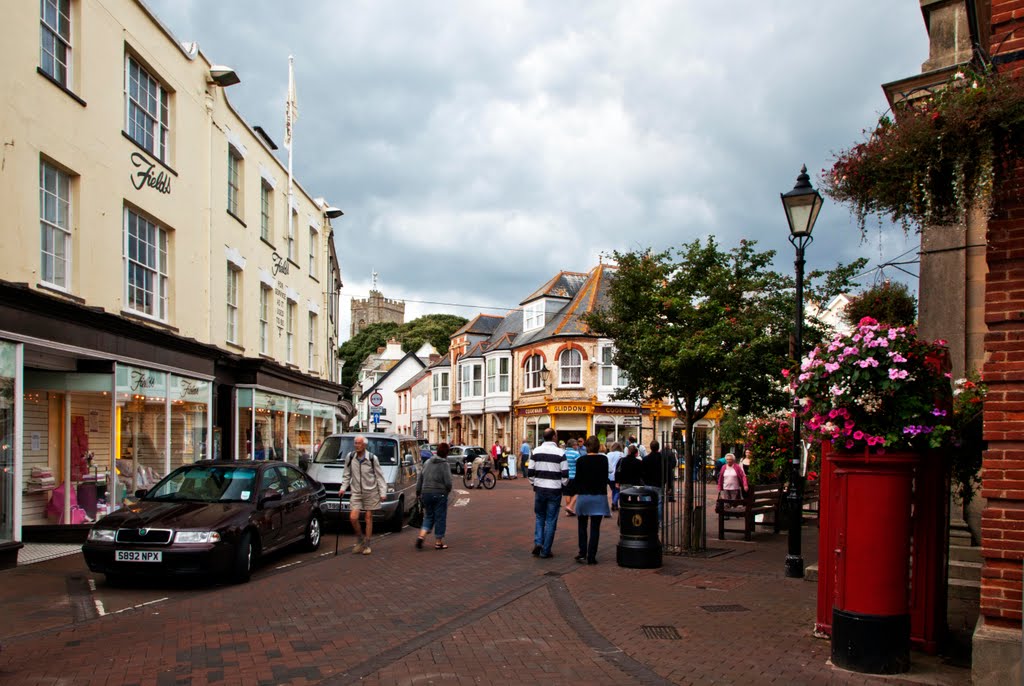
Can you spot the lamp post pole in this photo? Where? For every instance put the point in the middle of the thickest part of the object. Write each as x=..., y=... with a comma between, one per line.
x=802, y=205
x=795, y=495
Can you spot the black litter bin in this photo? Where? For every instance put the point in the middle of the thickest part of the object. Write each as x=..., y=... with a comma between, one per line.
x=638, y=546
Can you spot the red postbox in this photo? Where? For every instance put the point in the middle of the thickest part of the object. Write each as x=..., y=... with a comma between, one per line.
x=882, y=557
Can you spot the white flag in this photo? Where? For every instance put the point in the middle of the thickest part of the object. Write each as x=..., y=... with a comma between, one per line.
x=291, y=111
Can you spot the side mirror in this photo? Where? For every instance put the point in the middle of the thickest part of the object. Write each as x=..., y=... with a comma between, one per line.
x=270, y=496
x=141, y=492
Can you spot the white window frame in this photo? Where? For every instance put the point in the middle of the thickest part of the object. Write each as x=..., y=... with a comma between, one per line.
x=504, y=374
x=442, y=390
x=311, y=345
x=570, y=361
x=532, y=380
x=533, y=315
x=154, y=123
x=55, y=40
x=54, y=226
x=231, y=300
x=157, y=241
x=458, y=383
x=290, y=331
x=266, y=211
x=314, y=236
x=606, y=352
x=264, y=319
x=234, y=181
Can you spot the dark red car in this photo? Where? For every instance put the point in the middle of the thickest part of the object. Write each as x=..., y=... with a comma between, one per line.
x=209, y=518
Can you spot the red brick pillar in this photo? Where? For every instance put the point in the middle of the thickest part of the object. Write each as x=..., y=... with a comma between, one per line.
x=997, y=640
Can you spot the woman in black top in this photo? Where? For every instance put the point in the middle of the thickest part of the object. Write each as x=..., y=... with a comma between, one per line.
x=629, y=471
x=591, y=484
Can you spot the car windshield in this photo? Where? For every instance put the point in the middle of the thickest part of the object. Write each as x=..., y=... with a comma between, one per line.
x=335, y=448
x=206, y=484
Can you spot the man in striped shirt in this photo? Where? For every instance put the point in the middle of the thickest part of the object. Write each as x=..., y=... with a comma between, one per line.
x=549, y=472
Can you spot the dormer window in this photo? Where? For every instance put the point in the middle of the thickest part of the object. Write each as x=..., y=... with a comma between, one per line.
x=533, y=315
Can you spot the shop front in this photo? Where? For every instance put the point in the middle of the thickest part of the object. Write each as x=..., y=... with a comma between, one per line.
x=273, y=426
x=10, y=442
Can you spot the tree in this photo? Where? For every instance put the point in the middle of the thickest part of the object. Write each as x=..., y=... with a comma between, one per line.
x=711, y=328
x=436, y=329
x=887, y=302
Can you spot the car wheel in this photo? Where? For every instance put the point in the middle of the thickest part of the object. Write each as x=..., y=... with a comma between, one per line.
x=245, y=559
x=395, y=523
x=313, y=530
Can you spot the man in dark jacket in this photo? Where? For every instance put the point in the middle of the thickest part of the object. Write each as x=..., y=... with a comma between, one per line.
x=654, y=472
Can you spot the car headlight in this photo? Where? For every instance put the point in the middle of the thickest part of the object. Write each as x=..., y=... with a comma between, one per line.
x=196, y=537
x=104, y=535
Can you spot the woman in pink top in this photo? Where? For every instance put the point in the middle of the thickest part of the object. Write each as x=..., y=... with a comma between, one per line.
x=732, y=480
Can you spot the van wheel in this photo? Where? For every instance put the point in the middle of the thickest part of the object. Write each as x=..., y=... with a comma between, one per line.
x=395, y=523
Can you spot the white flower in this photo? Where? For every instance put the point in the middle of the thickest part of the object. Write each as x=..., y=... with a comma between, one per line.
x=959, y=75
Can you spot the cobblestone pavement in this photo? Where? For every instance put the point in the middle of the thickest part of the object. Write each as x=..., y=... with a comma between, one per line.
x=483, y=612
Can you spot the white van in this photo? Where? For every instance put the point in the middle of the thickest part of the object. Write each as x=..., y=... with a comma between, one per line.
x=399, y=460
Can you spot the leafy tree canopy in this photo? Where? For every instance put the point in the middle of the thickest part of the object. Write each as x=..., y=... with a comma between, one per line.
x=887, y=302
x=705, y=326
x=435, y=329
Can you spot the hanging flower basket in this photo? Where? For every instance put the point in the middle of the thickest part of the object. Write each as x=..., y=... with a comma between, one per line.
x=879, y=387
x=938, y=157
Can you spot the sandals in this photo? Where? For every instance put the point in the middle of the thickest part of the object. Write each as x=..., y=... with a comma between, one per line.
x=440, y=546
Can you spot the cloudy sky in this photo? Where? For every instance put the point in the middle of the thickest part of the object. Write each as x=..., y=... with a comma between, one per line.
x=478, y=147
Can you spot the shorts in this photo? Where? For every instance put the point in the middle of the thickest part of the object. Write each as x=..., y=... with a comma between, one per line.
x=364, y=502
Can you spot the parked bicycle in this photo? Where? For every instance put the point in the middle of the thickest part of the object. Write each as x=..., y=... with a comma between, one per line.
x=486, y=477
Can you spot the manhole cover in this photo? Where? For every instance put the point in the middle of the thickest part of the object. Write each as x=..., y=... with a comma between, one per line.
x=724, y=608
x=661, y=632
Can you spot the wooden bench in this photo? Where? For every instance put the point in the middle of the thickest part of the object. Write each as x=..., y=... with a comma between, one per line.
x=761, y=499
x=811, y=500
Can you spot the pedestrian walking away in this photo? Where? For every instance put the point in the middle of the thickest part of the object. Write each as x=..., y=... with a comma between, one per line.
x=364, y=480
x=614, y=455
x=571, y=455
x=524, y=457
x=549, y=472
x=629, y=471
x=654, y=474
x=432, y=488
x=591, y=499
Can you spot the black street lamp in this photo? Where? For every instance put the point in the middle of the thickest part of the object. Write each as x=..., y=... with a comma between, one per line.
x=802, y=205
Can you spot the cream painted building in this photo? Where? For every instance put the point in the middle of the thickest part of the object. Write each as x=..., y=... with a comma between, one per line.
x=161, y=299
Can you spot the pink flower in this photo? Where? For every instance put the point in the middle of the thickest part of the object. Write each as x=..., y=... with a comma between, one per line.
x=831, y=367
x=896, y=357
x=867, y=362
x=898, y=374
x=867, y=321
x=858, y=435
x=785, y=373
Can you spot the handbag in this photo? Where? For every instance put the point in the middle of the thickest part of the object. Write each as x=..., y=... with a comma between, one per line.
x=416, y=514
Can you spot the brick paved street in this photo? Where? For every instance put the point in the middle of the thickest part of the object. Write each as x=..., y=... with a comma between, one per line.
x=482, y=612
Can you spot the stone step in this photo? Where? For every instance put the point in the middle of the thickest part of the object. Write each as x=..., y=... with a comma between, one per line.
x=965, y=589
x=959, y=569
x=958, y=535
x=964, y=553
x=811, y=572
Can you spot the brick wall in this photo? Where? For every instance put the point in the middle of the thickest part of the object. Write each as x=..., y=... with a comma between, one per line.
x=1002, y=523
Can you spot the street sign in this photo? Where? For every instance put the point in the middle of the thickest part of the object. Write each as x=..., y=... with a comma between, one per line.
x=375, y=418
x=376, y=399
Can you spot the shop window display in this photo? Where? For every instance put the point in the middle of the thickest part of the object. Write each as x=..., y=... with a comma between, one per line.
x=7, y=378
x=270, y=433
x=142, y=427
x=190, y=402
x=300, y=431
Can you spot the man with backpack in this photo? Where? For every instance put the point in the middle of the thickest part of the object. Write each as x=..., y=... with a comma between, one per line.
x=368, y=488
